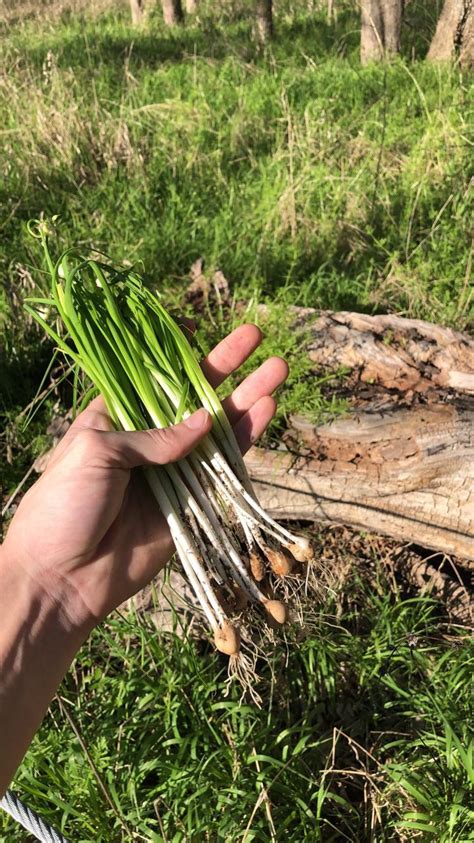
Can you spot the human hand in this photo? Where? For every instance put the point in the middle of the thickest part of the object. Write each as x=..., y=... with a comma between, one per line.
x=89, y=530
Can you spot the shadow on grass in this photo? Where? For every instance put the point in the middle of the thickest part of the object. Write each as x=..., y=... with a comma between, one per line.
x=91, y=46
x=82, y=43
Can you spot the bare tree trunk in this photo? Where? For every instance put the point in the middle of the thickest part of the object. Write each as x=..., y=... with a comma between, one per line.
x=380, y=29
x=454, y=33
x=442, y=45
x=136, y=8
x=392, y=23
x=264, y=20
x=172, y=12
x=371, y=32
x=466, y=54
x=191, y=7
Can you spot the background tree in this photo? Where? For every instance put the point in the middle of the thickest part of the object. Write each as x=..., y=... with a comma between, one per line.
x=264, y=20
x=136, y=8
x=467, y=41
x=172, y=12
x=454, y=33
x=380, y=29
x=191, y=7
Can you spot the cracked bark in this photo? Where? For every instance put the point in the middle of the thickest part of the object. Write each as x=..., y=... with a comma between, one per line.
x=402, y=462
x=454, y=34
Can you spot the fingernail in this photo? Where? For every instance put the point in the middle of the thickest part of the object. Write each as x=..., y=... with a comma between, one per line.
x=197, y=420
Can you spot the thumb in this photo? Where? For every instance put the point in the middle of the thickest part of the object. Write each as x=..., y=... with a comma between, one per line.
x=157, y=446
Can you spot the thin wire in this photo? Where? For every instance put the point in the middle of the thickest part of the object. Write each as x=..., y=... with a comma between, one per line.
x=29, y=819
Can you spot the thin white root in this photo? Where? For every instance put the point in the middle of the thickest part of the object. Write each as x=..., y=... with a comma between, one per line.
x=242, y=669
x=186, y=548
x=221, y=466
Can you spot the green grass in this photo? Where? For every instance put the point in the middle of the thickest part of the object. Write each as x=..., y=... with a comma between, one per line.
x=360, y=734
x=311, y=181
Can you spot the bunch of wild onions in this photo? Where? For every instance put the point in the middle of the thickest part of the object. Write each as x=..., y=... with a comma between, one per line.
x=119, y=334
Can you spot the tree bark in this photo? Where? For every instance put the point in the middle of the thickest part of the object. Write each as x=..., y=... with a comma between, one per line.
x=454, y=33
x=264, y=20
x=402, y=463
x=380, y=29
x=172, y=12
x=371, y=33
x=392, y=11
x=136, y=8
x=466, y=52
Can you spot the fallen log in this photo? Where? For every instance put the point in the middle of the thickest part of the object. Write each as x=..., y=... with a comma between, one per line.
x=402, y=462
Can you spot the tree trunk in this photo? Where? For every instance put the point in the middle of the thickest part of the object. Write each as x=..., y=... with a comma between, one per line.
x=392, y=23
x=136, y=8
x=454, y=33
x=402, y=462
x=466, y=52
x=191, y=7
x=371, y=32
x=264, y=20
x=172, y=12
x=380, y=29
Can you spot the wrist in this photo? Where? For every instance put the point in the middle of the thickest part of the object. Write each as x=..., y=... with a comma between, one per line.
x=49, y=598
x=40, y=634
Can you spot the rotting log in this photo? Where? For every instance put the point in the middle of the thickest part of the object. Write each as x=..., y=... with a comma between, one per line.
x=402, y=462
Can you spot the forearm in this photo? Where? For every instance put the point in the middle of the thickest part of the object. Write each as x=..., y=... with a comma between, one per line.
x=39, y=637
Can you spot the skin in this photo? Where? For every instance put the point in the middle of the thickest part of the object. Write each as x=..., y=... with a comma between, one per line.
x=87, y=536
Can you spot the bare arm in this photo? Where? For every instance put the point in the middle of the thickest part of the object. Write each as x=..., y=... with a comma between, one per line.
x=39, y=638
x=88, y=535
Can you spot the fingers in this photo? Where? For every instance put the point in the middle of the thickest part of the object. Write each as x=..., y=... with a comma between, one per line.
x=224, y=359
x=254, y=422
x=95, y=415
x=249, y=408
x=153, y=447
x=229, y=354
x=268, y=377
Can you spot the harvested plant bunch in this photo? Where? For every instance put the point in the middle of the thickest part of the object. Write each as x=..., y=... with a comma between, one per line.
x=117, y=333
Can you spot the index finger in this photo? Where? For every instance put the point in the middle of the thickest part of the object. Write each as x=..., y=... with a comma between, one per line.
x=230, y=353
